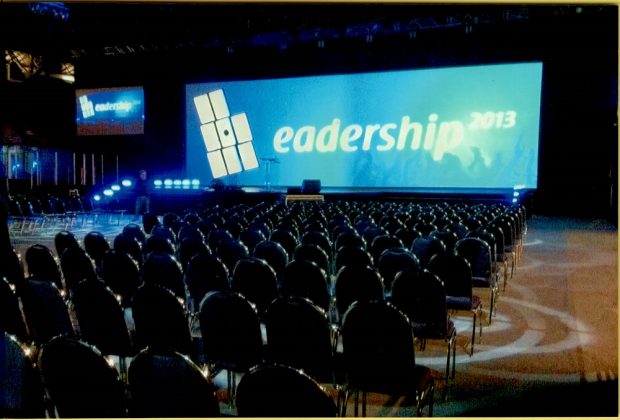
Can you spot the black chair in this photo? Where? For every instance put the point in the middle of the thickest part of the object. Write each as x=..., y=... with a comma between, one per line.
x=121, y=273
x=379, y=356
x=231, y=251
x=286, y=238
x=273, y=253
x=96, y=246
x=168, y=384
x=350, y=239
x=130, y=246
x=149, y=221
x=407, y=236
x=231, y=335
x=503, y=254
x=11, y=267
x=320, y=239
x=370, y=233
x=394, y=260
x=160, y=320
x=381, y=243
x=163, y=269
x=251, y=237
x=478, y=254
x=314, y=253
x=448, y=238
x=355, y=283
x=352, y=256
x=11, y=317
x=134, y=230
x=76, y=266
x=307, y=280
x=43, y=265
x=205, y=273
x=216, y=236
x=256, y=280
x=455, y=272
x=80, y=381
x=189, y=247
x=101, y=320
x=272, y=390
x=46, y=313
x=425, y=248
x=21, y=390
x=63, y=240
x=422, y=297
x=165, y=232
x=159, y=244
x=299, y=334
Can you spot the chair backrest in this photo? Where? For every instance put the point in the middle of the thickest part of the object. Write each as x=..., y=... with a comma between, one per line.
x=134, y=230
x=11, y=267
x=231, y=332
x=305, y=279
x=378, y=346
x=159, y=243
x=76, y=266
x=355, y=283
x=478, y=253
x=455, y=273
x=381, y=243
x=168, y=384
x=160, y=320
x=203, y=274
x=299, y=335
x=318, y=238
x=189, y=247
x=121, y=273
x=101, y=318
x=272, y=390
x=314, y=253
x=47, y=314
x=286, y=238
x=128, y=244
x=149, y=221
x=394, y=260
x=231, y=251
x=256, y=280
x=250, y=237
x=163, y=269
x=165, y=232
x=425, y=247
x=11, y=317
x=80, y=381
x=96, y=246
x=272, y=252
x=42, y=264
x=63, y=240
x=422, y=297
x=21, y=390
x=349, y=238
x=352, y=256
x=448, y=238
x=407, y=236
x=371, y=232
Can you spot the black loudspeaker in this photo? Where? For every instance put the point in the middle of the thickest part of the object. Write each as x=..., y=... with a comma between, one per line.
x=311, y=186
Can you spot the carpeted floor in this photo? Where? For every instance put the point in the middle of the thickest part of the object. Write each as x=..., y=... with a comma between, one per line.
x=551, y=350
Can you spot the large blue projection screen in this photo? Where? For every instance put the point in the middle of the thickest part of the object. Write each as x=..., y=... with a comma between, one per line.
x=460, y=127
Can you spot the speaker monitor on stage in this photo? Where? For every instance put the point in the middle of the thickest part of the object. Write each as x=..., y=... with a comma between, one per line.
x=311, y=186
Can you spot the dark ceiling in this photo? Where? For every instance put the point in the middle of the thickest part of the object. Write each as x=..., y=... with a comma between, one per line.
x=73, y=30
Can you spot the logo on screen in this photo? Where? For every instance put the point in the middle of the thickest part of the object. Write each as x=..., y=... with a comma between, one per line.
x=228, y=139
x=88, y=110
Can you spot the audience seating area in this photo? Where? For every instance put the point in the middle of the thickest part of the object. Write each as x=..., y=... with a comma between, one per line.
x=324, y=300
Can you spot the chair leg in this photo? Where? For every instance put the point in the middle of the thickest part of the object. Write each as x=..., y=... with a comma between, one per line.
x=364, y=395
x=356, y=402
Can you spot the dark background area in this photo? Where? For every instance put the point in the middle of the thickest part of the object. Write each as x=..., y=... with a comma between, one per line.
x=164, y=46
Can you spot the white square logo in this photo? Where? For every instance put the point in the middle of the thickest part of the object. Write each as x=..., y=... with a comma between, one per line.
x=228, y=139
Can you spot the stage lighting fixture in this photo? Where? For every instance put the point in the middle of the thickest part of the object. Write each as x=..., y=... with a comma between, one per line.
x=185, y=182
x=515, y=194
x=167, y=182
x=514, y=200
x=115, y=187
x=158, y=182
x=126, y=183
x=96, y=197
x=176, y=182
x=195, y=182
x=108, y=192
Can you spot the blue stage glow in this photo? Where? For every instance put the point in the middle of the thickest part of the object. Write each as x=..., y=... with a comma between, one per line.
x=97, y=197
x=108, y=192
x=126, y=183
x=474, y=127
x=115, y=187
